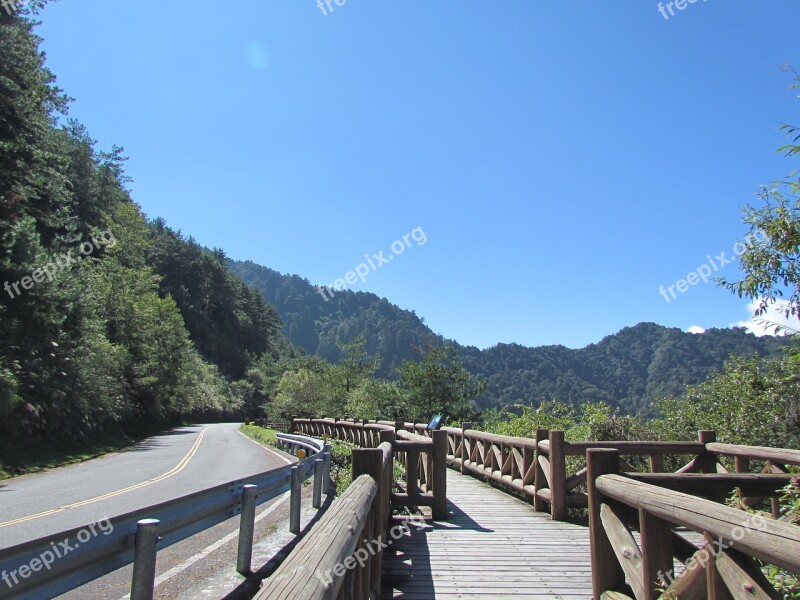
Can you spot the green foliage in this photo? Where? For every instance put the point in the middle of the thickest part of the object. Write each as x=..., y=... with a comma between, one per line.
x=594, y=421
x=753, y=402
x=341, y=465
x=263, y=435
x=770, y=259
x=439, y=384
x=308, y=393
x=550, y=414
x=377, y=399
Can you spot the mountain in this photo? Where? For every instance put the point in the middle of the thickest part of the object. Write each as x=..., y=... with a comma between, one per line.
x=628, y=369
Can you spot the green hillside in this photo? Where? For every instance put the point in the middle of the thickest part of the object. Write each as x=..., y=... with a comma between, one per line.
x=628, y=369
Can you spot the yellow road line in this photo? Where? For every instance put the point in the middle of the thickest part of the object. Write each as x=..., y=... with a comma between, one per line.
x=174, y=471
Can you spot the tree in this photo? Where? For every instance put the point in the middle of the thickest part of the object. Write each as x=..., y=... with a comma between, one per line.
x=439, y=384
x=306, y=393
x=356, y=366
x=377, y=399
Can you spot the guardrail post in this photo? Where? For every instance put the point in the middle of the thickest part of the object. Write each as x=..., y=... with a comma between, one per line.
x=319, y=468
x=247, y=523
x=439, y=476
x=291, y=423
x=607, y=574
x=144, y=561
x=539, y=481
x=294, y=501
x=464, y=450
x=327, y=468
x=558, y=477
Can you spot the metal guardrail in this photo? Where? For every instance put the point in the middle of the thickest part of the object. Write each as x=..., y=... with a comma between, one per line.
x=58, y=563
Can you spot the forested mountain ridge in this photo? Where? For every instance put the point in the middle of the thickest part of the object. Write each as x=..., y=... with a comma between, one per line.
x=316, y=325
x=628, y=369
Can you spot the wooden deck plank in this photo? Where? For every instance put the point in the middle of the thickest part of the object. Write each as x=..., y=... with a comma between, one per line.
x=493, y=546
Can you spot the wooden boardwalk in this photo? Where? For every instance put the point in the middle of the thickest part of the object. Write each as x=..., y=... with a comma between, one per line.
x=493, y=546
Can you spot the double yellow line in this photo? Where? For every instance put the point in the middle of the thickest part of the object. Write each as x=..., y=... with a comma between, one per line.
x=174, y=471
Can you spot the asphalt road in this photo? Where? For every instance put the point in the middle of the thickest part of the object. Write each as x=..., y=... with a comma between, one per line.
x=160, y=468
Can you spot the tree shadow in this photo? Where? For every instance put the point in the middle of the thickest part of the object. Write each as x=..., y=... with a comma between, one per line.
x=157, y=441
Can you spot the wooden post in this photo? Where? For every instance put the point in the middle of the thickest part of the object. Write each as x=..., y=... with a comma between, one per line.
x=656, y=463
x=369, y=461
x=715, y=586
x=439, y=475
x=539, y=481
x=291, y=423
x=464, y=450
x=412, y=473
x=607, y=574
x=656, y=536
x=558, y=477
x=742, y=464
x=708, y=461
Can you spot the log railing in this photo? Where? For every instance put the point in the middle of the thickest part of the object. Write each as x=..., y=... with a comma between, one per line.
x=340, y=557
x=537, y=467
x=505, y=459
x=560, y=490
x=654, y=504
x=423, y=456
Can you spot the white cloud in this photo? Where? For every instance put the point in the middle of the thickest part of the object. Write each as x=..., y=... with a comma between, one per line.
x=695, y=329
x=765, y=324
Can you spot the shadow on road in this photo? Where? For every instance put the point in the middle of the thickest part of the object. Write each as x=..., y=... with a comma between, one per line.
x=157, y=441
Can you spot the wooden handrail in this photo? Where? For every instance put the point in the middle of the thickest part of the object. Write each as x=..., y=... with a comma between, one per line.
x=719, y=486
x=636, y=448
x=622, y=567
x=316, y=568
x=776, y=455
x=424, y=457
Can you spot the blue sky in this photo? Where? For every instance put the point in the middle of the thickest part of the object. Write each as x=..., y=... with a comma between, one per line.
x=564, y=159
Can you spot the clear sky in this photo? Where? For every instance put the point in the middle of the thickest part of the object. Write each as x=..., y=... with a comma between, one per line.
x=563, y=159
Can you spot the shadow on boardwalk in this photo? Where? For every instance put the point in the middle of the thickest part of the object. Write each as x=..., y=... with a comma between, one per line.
x=493, y=546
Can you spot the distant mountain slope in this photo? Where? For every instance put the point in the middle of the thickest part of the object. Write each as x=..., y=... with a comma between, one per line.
x=627, y=369
x=315, y=325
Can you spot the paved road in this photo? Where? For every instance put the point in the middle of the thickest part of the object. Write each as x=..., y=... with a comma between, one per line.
x=160, y=468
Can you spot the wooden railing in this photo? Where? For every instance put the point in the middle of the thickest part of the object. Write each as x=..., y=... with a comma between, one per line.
x=537, y=467
x=653, y=504
x=505, y=459
x=559, y=489
x=340, y=557
x=422, y=456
